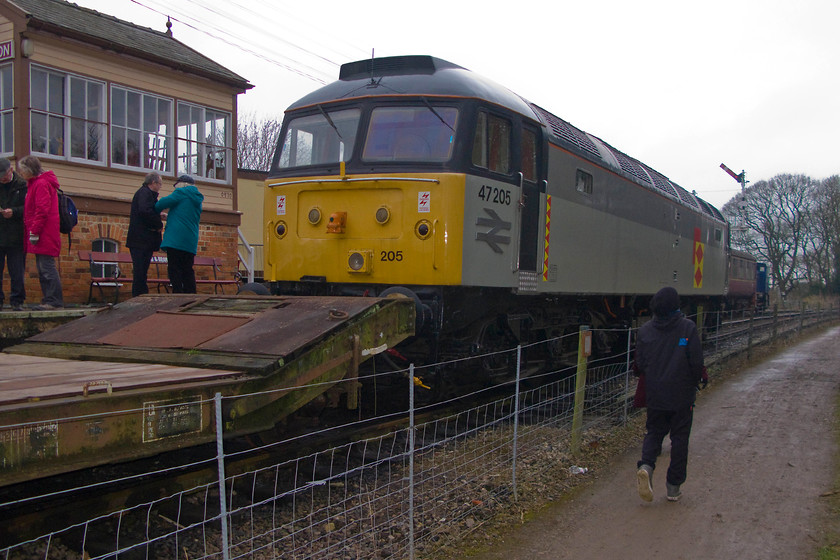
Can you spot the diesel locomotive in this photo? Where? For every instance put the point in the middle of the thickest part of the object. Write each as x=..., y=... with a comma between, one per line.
x=505, y=223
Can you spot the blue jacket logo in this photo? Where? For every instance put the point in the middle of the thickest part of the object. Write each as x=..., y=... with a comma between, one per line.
x=683, y=342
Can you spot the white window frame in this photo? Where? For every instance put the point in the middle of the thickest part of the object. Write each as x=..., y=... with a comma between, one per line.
x=195, y=151
x=147, y=138
x=59, y=109
x=7, y=110
x=104, y=245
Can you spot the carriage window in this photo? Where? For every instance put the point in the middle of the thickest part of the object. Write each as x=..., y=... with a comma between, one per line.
x=491, y=147
x=424, y=133
x=320, y=139
x=529, y=155
x=583, y=182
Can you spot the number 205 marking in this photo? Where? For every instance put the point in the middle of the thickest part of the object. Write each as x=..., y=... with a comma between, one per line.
x=494, y=194
x=391, y=256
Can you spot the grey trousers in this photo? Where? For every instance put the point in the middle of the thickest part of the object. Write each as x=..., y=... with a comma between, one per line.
x=50, y=280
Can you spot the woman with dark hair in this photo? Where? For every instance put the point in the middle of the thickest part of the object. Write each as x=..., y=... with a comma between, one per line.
x=41, y=234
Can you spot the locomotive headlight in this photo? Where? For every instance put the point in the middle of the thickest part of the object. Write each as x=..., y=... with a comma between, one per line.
x=383, y=215
x=281, y=229
x=423, y=229
x=360, y=261
x=314, y=216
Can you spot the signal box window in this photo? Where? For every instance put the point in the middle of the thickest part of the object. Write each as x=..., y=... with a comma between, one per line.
x=583, y=182
x=320, y=139
x=204, y=142
x=6, y=109
x=491, y=147
x=141, y=125
x=424, y=133
x=68, y=116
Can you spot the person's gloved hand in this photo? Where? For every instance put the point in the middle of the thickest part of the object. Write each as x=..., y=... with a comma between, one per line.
x=34, y=239
x=704, y=379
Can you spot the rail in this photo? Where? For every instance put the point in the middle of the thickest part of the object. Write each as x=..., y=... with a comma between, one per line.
x=401, y=492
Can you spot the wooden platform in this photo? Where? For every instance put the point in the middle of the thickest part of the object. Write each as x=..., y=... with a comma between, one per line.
x=139, y=378
x=33, y=378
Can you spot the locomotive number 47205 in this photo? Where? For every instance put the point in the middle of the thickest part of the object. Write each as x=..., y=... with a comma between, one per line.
x=494, y=194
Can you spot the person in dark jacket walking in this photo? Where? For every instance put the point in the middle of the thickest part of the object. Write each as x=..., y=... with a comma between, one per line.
x=670, y=356
x=41, y=225
x=12, y=198
x=180, y=238
x=144, y=231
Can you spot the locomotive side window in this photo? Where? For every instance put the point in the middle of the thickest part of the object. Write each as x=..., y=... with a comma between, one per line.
x=491, y=147
x=320, y=139
x=424, y=133
x=529, y=155
x=583, y=182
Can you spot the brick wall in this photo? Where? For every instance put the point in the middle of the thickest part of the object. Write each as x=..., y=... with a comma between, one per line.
x=215, y=240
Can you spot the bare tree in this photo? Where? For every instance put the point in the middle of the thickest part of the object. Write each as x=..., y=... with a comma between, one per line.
x=775, y=214
x=822, y=255
x=256, y=141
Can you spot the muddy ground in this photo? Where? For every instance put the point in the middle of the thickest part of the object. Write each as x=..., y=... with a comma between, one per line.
x=762, y=479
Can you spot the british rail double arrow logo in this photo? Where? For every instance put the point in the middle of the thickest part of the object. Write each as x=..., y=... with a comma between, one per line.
x=492, y=237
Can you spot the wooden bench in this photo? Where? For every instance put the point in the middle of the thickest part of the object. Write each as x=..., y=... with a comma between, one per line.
x=115, y=277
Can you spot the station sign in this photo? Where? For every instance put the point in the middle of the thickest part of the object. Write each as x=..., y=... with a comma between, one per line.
x=7, y=50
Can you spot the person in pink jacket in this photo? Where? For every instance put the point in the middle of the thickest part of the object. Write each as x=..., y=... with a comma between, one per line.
x=41, y=236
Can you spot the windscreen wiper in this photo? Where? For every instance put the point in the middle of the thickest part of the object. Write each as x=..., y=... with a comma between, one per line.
x=329, y=120
x=435, y=113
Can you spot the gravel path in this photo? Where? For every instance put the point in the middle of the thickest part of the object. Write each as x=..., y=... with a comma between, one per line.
x=762, y=452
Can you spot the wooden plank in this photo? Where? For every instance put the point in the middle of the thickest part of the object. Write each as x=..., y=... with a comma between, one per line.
x=26, y=378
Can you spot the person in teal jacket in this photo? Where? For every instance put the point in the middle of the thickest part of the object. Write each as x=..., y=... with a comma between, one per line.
x=180, y=237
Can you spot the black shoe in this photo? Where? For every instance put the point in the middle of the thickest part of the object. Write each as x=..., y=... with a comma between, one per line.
x=17, y=307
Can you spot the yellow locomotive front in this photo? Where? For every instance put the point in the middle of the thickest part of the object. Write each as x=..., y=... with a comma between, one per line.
x=398, y=223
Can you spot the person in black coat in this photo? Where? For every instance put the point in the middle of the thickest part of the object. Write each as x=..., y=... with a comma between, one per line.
x=12, y=253
x=670, y=356
x=144, y=231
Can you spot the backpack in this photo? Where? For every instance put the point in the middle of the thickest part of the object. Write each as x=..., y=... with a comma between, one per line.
x=68, y=216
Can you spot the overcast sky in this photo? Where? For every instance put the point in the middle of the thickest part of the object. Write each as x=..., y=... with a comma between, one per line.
x=681, y=86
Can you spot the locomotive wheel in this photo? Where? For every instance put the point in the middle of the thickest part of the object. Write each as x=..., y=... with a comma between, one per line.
x=253, y=289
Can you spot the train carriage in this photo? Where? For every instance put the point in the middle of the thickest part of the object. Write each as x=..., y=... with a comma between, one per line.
x=415, y=175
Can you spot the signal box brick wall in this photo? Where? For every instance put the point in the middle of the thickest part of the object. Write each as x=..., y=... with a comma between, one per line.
x=215, y=240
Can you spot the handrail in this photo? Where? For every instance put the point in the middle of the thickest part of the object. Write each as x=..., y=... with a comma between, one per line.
x=249, y=263
x=356, y=180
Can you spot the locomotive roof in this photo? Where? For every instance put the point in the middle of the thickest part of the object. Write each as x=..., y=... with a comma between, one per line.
x=413, y=75
x=422, y=75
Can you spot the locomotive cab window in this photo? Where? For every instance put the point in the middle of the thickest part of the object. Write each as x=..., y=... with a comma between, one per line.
x=320, y=139
x=529, y=155
x=491, y=146
x=425, y=133
x=583, y=182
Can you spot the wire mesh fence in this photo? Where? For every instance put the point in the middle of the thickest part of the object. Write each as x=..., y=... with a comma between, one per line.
x=433, y=473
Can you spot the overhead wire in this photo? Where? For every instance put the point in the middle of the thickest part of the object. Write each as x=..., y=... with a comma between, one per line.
x=239, y=43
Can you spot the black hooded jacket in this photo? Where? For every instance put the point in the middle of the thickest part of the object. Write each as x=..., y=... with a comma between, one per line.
x=670, y=355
